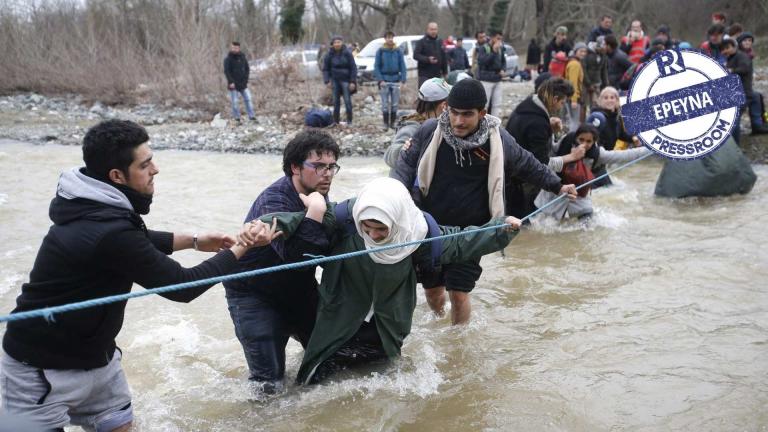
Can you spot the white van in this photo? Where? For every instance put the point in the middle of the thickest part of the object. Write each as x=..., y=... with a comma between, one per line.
x=367, y=56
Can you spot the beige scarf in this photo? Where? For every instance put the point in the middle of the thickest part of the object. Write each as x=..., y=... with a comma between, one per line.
x=426, y=169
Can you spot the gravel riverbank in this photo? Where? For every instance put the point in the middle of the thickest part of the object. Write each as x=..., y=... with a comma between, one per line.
x=64, y=119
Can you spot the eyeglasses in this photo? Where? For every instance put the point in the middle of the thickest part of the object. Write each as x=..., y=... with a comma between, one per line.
x=322, y=169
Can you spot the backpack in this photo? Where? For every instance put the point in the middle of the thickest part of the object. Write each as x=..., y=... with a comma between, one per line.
x=318, y=117
x=342, y=214
x=557, y=65
x=577, y=173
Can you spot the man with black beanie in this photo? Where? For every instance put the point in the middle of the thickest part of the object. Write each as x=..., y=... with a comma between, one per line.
x=68, y=369
x=458, y=167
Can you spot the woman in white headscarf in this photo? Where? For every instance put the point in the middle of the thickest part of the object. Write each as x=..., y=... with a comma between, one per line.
x=367, y=301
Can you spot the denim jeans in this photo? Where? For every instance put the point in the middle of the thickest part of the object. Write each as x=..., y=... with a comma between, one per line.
x=341, y=89
x=246, y=95
x=263, y=330
x=390, y=96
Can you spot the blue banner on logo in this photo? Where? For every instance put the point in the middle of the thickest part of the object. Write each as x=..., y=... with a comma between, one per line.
x=683, y=104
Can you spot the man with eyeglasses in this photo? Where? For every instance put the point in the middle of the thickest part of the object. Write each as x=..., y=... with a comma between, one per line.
x=268, y=309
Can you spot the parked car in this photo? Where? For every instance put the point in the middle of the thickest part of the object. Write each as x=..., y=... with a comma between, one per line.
x=304, y=59
x=510, y=54
x=367, y=56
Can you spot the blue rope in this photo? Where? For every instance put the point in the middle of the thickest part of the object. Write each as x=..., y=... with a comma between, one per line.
x=48, y=312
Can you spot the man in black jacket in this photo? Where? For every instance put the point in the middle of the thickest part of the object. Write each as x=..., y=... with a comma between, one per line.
x=67, y=370
x=237, y=72
x=492, y=67
x=618, y=62
x=430, y=57
x=458, y=56
x=559, y=43
x=457, y=167
x=739, y=63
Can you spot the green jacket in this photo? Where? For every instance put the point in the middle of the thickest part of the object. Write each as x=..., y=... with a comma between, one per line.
x=349, y=287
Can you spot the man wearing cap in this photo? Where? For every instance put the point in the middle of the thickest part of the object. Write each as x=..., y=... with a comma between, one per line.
x=431, y=103
x=457, y=167
x=559, y=43
x=430, y=56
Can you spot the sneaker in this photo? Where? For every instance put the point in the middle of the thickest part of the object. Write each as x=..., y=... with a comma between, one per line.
x=759, y=130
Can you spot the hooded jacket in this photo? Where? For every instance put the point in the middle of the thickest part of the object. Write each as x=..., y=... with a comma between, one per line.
x=236, y=70
x=98, y=246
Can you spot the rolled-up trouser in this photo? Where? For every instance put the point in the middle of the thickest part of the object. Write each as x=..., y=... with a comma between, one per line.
x=390, y=96
x=97, y=399
x=494, y=94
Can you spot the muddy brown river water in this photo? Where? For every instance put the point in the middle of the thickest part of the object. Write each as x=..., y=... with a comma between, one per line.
x=654, y=318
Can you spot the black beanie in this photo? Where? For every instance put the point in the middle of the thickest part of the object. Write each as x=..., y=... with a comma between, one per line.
x=467, y=94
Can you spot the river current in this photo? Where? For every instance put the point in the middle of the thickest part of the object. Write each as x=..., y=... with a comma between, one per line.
x=654, y=317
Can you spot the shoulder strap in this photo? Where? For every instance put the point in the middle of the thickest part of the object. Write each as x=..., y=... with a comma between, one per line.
x=344, y=217
x=436, y=245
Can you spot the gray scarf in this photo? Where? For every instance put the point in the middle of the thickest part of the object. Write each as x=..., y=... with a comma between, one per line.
x=477, y=139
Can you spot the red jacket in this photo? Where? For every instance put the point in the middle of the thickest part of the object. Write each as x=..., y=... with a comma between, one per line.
x=635, y=49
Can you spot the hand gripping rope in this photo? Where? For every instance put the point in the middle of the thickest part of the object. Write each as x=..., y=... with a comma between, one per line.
x=48, y=312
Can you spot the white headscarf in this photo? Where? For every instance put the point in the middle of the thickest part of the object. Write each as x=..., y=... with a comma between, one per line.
x=387, y=201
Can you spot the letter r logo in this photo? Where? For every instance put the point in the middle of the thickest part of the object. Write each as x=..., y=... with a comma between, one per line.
x=669, y=62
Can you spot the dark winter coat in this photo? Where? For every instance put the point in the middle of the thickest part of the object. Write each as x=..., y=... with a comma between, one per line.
x=236, y=70
x=529, y=126
x=741, y=65
x=458, y=59
x=618, y=63
x=340, y=66
x=490, y=64
x=430, y=47
x=533, y=57
x=595, y=70
x=597, y=32
x=464, y=195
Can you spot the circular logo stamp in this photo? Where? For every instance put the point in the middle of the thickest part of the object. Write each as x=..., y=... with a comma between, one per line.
x=683, y=104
